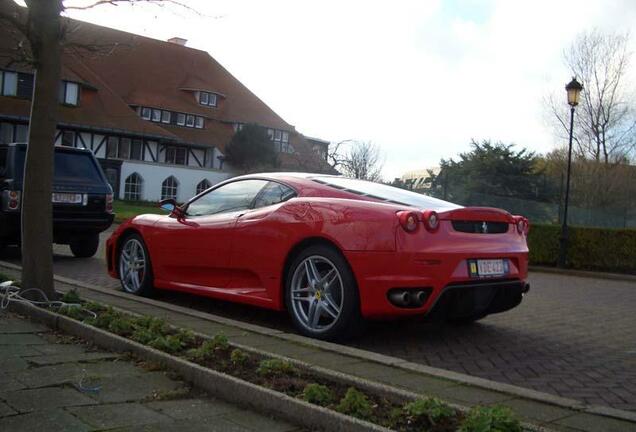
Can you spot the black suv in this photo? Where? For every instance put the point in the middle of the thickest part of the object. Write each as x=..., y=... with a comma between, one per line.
x=82, y=198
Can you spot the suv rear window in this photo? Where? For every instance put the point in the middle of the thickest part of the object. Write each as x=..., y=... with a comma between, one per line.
x=3, y=161
x=70, y=167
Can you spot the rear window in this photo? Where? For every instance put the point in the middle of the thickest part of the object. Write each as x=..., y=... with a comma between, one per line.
x=3, y=161
x=386, y=193
x=69, y=167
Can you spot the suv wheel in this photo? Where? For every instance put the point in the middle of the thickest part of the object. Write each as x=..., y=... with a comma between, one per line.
x=134, y=268
x=322, y=295
x=85, y=246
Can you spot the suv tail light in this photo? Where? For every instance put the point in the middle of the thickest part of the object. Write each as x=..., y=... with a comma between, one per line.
x=408, y=221
x=11, y=200
x=109, y=203
x=522, y=224
x=431, y=220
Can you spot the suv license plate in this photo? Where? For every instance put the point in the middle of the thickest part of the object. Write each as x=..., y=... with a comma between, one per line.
x=488, y=267
x=67, y=198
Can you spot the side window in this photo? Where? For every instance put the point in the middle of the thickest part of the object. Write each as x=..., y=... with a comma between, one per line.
x=230, y=197
x=3, y=161
x=273, y=193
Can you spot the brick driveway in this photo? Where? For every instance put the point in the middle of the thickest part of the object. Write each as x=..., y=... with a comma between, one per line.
x=574, y=337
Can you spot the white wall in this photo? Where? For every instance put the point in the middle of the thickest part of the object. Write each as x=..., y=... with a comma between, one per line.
x=154, y=174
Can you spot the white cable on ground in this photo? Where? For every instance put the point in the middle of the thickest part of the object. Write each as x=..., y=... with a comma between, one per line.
x=11, y=293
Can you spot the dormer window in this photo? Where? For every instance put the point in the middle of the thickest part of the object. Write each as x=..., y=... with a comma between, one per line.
x=9, y=81
x=70, y=93
x=146, y=113
x=207, y=98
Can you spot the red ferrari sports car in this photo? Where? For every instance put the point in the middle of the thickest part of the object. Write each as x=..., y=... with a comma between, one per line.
x=331, y=250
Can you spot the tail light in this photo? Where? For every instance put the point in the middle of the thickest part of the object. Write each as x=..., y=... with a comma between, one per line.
x=11, y=200
x=408, y=221
x=109, y=203
x=522, y=224
x=431, y=220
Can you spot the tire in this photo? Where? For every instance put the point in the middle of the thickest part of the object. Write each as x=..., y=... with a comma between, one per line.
x=333, y=294
x=85, y=246
x=139, y=280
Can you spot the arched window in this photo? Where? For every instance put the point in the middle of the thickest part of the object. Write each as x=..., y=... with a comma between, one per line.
x=133, y=187
x=203, y=185
x=169, y=188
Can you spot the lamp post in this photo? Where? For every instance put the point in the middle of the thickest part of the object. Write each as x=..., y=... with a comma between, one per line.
x=573, y=89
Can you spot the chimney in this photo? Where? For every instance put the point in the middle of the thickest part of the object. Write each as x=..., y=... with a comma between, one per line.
x=178, y=41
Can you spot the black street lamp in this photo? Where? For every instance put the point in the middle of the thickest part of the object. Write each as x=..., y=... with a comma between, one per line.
x=573, y=89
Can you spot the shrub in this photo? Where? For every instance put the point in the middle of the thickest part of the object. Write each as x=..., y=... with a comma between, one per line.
x=356, y=404
x=71, y=296
x=143, y=335
x=74, y=312
x=275, y=367
x=318, y=394
x=490, y=419
x=122, y=326
x=209, y=348
x=239, y=357
x=170, y=343
x=603, y=249
x=431, y=408
x=153, y=324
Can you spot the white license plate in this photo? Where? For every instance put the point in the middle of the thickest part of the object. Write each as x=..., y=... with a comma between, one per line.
x=67, y=198
x=488, y=267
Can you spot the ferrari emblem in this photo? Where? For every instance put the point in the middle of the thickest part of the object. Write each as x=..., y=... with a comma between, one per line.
x=318, y=295
x=484, y=227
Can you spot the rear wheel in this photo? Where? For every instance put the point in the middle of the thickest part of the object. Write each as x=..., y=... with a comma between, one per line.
x=322, y=295
x=85, y=246
x=134, y=268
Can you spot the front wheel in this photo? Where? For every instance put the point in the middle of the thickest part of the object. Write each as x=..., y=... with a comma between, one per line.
x=322, y=295
x=134, y=268
x=85, y=246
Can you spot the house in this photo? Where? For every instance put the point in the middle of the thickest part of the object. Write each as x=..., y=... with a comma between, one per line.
x=419, y=180
x=157, y=114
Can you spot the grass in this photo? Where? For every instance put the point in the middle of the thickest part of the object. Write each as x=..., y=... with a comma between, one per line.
x=128, y=209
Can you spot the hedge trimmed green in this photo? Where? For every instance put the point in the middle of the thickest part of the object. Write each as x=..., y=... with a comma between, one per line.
x=602, y=249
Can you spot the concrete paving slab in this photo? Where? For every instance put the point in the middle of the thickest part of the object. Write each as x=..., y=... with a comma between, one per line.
x=369, y=370
x=254, y=340
x=19, y=350
x=40, y=421
x=13, y=364
x=145, y=386
x=8, y=325
x=48, y=398
x=537, y=412
x=73, y=372
x=71, y=358
x=292, y=350
x=186, y=409
x=416, y=383
x=257, y=422
x=215, y=425
x=118, y=415
x=591, y=423
x=6, y=410
x=21, y=339
x=328, y=359
x=60, y=348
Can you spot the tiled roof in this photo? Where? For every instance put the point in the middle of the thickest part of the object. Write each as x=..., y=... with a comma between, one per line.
x=123, y=69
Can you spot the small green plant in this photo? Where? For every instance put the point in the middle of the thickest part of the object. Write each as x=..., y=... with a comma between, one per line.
x=143, y=335
x=318, y=394
x=356, y=404
x=121, y=325
x=490, y=419
x=170, y=343
x=239, y=357
x=276, y=367
x=74, y=312
x=153, y=324
x=71, y=296
x=209, y=348
x=431, y=408
x=93, y=307
x=104, y=318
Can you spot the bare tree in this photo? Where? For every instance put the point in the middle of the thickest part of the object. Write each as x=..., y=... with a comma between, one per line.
x=605, y=123
x=40, y=33
x=360, y=160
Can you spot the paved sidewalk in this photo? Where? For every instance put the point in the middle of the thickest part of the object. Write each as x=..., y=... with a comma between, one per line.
x=550, y=411
x=50, y=382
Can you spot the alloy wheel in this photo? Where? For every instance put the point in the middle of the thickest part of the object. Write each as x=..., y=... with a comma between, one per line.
x=132, y=265
x=317, y=293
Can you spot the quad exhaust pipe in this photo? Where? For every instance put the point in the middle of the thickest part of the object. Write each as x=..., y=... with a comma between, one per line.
x=408, y=298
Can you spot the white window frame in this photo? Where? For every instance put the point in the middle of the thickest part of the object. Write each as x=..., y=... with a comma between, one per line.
x=165, y=116
x=133, y=191
x=13, y=90
x=170, y=188
x=199, y=122
x=202, y=186
x=181, y=119
x=71, y=98
x=146, y=113
x=189, y=120
x=156, y=115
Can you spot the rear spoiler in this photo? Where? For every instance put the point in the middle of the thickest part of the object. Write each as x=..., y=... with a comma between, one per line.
x=489, y=214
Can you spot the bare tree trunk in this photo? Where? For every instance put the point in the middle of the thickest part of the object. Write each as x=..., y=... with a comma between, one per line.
x=44, y=35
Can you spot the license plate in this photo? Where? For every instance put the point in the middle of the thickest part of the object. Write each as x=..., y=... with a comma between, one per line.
x=488, y=267
x=67, y=198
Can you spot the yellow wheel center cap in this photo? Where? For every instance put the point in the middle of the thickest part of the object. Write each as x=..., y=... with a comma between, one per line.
x=318, y=295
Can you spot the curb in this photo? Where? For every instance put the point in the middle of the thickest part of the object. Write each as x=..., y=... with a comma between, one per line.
x=366, y=355
x=224, y=386
x=583, y=273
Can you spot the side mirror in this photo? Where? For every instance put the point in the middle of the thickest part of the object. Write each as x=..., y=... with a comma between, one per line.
x=170, y=205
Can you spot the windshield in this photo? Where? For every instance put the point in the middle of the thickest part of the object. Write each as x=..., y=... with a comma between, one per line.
x=386, y=193
x=70, y=167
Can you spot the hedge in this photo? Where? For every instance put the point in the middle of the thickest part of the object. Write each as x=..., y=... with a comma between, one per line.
x=602, y=249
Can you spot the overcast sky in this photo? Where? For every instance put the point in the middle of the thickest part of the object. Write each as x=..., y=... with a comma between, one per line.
x=418, y=78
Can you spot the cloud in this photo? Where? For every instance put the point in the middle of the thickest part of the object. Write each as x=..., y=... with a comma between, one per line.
x=419, y=78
